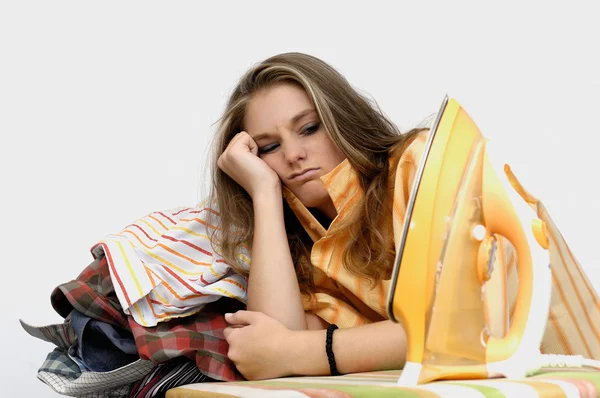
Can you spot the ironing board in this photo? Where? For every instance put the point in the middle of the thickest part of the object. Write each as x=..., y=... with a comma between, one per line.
x=547, y=383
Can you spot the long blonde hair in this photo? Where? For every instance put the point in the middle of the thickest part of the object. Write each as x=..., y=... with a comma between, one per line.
x=355, y=124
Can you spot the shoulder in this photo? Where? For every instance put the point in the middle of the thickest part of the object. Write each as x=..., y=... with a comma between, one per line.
x=410, y=151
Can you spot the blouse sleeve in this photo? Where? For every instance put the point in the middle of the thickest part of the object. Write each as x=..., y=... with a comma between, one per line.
x=330, y=304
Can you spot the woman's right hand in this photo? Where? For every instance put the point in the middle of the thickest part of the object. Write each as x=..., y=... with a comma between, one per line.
x=240, y=161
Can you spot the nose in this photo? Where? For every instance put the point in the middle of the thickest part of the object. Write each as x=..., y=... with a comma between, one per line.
x=294, y=152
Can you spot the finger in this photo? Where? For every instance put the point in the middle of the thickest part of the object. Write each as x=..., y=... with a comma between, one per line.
x=235, y=138
x=239, y=141
x=222, y=160
x=242, y=317
x=239, y=136
x=227, y=333
x=252, y=146
x=231, y=142
x=249, y=142
x=245, y=139
x=224, y=157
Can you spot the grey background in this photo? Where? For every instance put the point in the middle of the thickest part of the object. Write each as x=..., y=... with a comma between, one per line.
x=107, y=111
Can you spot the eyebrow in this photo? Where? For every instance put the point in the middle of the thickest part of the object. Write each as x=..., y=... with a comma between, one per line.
x=292, y=122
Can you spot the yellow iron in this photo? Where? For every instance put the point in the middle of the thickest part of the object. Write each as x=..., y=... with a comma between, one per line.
x=447, y=289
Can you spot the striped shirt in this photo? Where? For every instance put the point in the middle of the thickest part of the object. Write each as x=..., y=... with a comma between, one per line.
x=346, y=300
x=163, y=265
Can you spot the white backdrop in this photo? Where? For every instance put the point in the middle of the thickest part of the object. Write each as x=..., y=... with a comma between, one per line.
x=107, y=109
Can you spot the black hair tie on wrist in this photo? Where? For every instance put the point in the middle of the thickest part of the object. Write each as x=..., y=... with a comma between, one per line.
x=329, y=349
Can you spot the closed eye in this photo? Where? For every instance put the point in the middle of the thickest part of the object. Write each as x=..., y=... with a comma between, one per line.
x=267, y=148
x=311, y=129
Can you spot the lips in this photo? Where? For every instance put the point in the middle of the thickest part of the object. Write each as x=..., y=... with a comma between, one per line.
x=304, y=175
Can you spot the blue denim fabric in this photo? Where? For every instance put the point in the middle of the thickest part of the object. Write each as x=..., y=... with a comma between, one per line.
x=101, y=347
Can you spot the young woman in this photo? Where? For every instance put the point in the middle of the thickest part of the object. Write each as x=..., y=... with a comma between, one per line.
x=314, y=180
x=295, y=129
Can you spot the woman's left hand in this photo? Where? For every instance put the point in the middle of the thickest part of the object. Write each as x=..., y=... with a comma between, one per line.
x=258, y=345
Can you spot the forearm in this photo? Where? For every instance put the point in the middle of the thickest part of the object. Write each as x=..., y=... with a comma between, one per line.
x=377, y=346
x=272, y=284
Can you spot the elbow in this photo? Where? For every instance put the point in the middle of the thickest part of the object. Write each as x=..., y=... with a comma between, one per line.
x=314, y=322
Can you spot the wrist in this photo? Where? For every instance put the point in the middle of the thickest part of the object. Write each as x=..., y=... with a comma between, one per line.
x=294, y=356
x=267, y=195
x=306, y=353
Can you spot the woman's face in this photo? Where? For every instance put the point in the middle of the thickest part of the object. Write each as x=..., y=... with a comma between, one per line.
x=293, y=142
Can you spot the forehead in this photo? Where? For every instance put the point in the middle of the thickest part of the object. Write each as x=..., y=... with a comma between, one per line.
x=274, y=108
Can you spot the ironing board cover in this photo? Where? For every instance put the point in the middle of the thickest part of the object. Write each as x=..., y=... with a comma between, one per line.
x=383, y=384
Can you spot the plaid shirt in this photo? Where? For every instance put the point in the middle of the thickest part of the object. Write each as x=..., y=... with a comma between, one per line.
x=92, y=294
x=198, y=337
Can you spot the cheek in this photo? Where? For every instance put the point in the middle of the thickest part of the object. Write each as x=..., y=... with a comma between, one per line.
x=274, y=164
x=339, y=156
x=334, y=155
x=333, y=152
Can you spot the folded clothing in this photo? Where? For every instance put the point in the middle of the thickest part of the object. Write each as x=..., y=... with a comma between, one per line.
x=100, y=351
x=164, y=265
x=102, y=347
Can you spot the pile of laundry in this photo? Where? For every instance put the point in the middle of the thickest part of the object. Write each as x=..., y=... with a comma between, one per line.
x=147, y=314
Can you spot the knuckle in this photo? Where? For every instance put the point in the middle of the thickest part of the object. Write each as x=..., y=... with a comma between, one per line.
x=233, y=355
